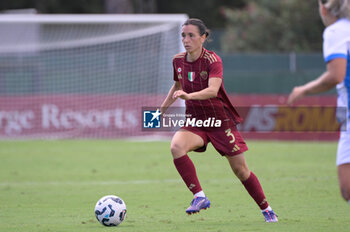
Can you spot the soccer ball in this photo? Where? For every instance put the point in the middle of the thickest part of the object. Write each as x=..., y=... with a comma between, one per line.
x=110, y=210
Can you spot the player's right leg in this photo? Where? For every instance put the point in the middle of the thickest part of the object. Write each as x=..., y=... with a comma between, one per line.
x=183, y=142
x=344, y=180
x=343, y=163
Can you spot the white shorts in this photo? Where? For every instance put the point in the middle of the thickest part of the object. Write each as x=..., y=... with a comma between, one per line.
x=343, y=153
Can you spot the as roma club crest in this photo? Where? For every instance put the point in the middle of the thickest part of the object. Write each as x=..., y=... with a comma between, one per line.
x=204, y=75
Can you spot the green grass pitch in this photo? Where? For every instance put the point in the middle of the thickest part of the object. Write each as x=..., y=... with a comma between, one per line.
x=54, y=185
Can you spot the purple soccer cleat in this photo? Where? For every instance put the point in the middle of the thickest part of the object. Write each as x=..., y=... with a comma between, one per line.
x=270, y=216
x=197, y=204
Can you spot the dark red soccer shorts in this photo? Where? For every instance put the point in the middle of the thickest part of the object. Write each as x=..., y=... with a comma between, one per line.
x=226, y=139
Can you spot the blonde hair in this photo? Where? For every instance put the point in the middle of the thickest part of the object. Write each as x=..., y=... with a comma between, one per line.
x=338, y=8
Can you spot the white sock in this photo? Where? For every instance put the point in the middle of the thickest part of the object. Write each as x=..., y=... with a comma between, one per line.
x=199, y=194
x=349, y=202
x=268, y=208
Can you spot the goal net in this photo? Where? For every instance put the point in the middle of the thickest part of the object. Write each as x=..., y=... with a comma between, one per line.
x=83, y=76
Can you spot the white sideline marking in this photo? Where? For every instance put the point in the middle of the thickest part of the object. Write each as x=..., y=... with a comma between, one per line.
x=232, y=180
x=82, y=183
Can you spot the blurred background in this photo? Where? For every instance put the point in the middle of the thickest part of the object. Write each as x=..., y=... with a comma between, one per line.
x=281, y=41
x=267, y=48
x=82, y=72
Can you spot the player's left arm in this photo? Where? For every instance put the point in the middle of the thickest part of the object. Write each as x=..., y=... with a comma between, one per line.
x=335, y=74
x=211, y=91
x=214, y=83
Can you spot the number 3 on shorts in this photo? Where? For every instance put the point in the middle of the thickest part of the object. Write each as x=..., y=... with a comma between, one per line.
x=228, y=134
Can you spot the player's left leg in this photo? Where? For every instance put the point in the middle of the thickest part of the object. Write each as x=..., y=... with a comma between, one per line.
x=344, y=181
x=251, y=183
x=228, y=142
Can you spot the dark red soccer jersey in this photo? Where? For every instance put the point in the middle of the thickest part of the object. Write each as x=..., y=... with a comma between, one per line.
x=194, y=76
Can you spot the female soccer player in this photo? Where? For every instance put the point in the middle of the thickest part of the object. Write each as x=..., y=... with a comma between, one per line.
x=198, y=75
x=335, y=15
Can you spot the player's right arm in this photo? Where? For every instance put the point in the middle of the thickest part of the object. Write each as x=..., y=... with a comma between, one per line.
x=335, y=52
x=169, y=100
x=336, y=70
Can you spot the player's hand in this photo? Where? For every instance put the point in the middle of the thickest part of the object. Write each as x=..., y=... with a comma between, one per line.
x=297, y=93
x=181, y=94
x=163, y=109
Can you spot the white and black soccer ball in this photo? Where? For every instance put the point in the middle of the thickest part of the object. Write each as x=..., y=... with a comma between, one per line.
x=110, y=210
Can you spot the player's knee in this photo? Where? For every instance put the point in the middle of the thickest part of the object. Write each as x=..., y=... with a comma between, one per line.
x=177, y=150
x=241, y=171
x=345, y=192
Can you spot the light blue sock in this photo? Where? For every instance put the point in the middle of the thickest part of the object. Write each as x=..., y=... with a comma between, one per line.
x=268, y=208
x=199, y=194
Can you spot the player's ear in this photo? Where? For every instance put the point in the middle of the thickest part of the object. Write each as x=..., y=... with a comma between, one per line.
x=323, y=9
x=203, y=38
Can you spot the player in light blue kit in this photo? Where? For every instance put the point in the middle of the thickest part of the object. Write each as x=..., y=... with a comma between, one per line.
x=335, y=15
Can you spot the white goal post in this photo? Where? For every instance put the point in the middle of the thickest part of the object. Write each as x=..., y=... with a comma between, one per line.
x=84, y=76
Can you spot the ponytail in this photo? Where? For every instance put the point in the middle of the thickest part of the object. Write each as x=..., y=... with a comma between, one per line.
x=338, y=8
x=203, y=30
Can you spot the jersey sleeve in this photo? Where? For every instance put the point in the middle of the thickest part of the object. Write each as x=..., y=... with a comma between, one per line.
x=334, y=45
x=175, y=78
x=216, y=69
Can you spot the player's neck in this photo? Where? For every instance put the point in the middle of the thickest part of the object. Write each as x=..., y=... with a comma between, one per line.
x=194, y=55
